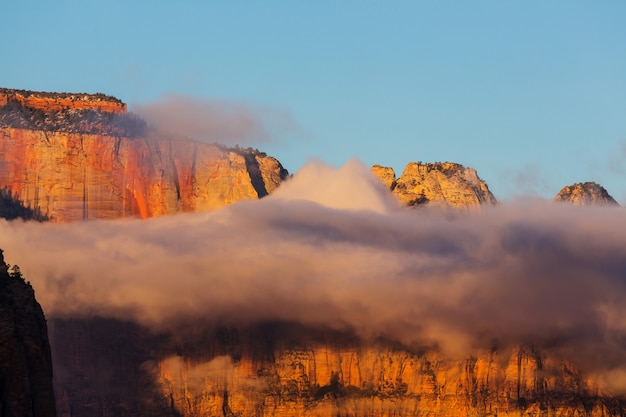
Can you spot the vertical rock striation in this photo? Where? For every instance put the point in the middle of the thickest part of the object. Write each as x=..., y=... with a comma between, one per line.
x=286, y=370
x=83, y=157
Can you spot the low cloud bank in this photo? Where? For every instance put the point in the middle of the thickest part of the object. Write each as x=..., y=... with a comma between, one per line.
x=552, y=275
x=215, y=121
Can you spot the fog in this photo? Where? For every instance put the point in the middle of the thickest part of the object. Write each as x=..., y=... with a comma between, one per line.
x=215, y=121
x=331, y=247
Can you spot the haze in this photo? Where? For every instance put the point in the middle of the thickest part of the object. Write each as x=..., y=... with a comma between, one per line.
x=546, y=274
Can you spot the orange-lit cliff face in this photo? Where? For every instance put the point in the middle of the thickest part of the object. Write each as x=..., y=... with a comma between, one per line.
x=72, y=175
x=331, y=379
x=62, y=101
x=80, y=176
x=235, y=373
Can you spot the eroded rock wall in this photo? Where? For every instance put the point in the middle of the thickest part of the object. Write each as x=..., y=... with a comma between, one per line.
x=73, y=176
x=285, y=370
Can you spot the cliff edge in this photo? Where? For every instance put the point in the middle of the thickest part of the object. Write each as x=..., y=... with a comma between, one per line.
x=50, y=102
x=25, y=358
x=78, y=157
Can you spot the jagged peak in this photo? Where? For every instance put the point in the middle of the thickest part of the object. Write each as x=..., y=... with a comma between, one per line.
x=447, y=184
x=386, y=174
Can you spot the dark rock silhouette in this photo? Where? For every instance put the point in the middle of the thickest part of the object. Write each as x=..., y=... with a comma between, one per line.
x=25, y=359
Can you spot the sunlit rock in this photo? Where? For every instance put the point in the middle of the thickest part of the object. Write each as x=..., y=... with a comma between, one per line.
x=585, y=194
x=444, y=184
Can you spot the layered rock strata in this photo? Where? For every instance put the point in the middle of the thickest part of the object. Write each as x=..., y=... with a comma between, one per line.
x=50, y=102
x=25, y=358
x=439, y=184
x=276, y=371
x=78, y=164
x=585, y=194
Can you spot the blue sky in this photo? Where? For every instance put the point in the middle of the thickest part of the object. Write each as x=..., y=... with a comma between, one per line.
x=532, y=94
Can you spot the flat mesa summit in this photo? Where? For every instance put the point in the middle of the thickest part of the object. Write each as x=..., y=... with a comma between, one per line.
x=83, y=156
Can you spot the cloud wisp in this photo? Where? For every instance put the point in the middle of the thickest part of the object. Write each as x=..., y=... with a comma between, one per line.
x=552, y=275
x=216, y=121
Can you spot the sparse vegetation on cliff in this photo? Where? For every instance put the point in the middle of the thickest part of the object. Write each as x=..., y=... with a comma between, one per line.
x=25, y=357
x=54, y=95
x=11, y=207
x=87, y=121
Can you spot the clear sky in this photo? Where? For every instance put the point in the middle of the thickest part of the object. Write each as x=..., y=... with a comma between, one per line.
x=530, y=93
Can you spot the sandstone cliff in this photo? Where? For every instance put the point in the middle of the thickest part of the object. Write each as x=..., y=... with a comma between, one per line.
x=91, y=163
x=25, y=359
x=50, y=102
x=440, y=184
x=286, y=370
x=585, y=194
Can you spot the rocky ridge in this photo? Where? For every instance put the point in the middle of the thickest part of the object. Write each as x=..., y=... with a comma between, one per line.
x=83, y=162
x=50, y=102
x=585, y=194
x=441, y=184
x=25, y=358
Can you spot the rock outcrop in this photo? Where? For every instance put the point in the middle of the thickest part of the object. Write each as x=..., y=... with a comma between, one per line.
x=51, y=102
x=25, y=359
x=98, y=162
x=585, y=194
x=273, y=370
x=444, y=184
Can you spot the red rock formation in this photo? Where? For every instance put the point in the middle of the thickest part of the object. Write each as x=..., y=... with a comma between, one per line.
x=72, y=176
x=273, y=372
x=49, y=102
x=76, y=157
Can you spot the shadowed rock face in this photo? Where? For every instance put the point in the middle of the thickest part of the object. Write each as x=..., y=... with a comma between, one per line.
x=585, y=194
x=75, y=163
x=440, y=184
x=281, y=369
x=25, y=360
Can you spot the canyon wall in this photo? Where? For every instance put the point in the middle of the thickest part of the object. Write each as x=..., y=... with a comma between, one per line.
x=284, y=370
x=82, y=157
x=72, y=176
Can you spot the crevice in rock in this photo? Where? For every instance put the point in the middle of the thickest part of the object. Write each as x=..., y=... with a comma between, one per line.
x=252, y=166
